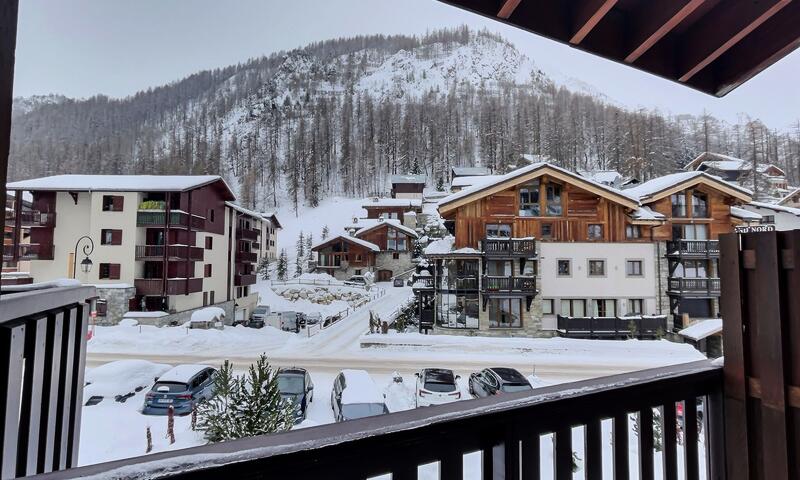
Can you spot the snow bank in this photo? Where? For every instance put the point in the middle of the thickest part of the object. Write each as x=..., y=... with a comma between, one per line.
x=208, y=314
x=121, y=377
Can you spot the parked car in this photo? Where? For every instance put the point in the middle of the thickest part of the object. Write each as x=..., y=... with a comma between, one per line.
x=493, y=381
x=436, y=386
x=286, y=321
x=182, y=387
x=296, y=386
x=258, y=317
x=355, y=395
x=358, y=280
x=397, y=282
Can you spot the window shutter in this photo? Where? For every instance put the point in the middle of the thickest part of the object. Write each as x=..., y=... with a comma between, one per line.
x=118, y=202
x=116, y=237
x=113, y=271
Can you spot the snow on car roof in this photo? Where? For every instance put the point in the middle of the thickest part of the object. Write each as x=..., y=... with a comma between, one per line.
x=439, y=375
x=360, y=388
x=117, y=183
x=508, y=374
x=182, y=373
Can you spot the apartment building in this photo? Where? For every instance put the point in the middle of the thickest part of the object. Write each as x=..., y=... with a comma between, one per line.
x=541, y=244
x=155, y=243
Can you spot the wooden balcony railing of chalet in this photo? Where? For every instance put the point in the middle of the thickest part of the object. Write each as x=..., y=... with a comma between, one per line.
x=174, y=252
x=28, y=251
x=245, y=279
x=466, y=282
x=247, y=233
x=491, y=284
x=175, y=286
x=505, y=431
x=177, y=219
x=246, y=257
x=698, y=287
x=31, y=218
x=693, y=248
x=642, y=326
x=42, y=360
x=514, y=247
x=423, y=282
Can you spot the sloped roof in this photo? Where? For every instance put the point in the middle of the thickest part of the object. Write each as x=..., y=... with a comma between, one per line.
x=743, y=214
x=364, y=225
x=776, y=208
x=347, y=238
x=660, y=187
x=702, y=329
x=788, y=197
x=392, y=202
x=727, y=163
x=245, y=211
x=473, y=180
x=470, y=171
x=394, y=179
x=119, y=183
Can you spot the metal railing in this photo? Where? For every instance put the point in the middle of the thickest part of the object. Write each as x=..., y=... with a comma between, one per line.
x=506, y=431
x=694, y=286
x=693, y=248
x=179, y=219
x=522, y=247
x=175, y=286
x=242, y=280
x=640, y=326
x=28, y=251
x=247, y=233
x=492, y=283
x=31, y=218
x=246, y=257
x=43, y=349
x=182, y=252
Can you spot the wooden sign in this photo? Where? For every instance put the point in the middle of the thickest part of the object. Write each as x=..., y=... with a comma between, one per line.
x=754, y=229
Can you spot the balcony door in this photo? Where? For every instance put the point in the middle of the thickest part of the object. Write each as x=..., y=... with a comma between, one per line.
x=499, y=268
x=690, y=232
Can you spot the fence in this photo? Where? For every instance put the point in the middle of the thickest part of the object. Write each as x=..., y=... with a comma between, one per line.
x=612, y=327
x=320, y=282
x=314, y=329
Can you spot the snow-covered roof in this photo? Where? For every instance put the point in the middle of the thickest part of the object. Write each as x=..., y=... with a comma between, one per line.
x=395, y=179
x=727, y=163
x=348, y=238
x=246, y=211
x=208, y=314
x=111, y=285
x=364, y=225
x=155, y=314
x=464, y=171
x=272, y=217
x=360, y=388
x=652, y=187
x=702, y=329
x=646, y=214
x=182, y=373
x=392, y=202
x=606, y=177
x=445, y=246
x=788, y=197
x=500, y=179
x=743, y=214
x=473, y=180
x=776, y=208
x=118, y=183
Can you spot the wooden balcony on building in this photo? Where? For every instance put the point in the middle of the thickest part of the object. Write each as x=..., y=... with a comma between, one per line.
x=643, y=327
x=247, y=233
x=693, y=249
x=28, y=251
x=175, y=286
x=31, y=218
x=177, y=219
x=460, y=282
x=508, y=284
x=246, y=257
x=240, y=280
x=694, y=287
x=174, y=252
x=509, y=247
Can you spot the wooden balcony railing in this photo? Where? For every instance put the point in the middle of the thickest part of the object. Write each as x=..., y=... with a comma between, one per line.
x=42, y=350
x=491, y=283
x=696, y=287
x=509, y=247
x=243, y=280
x=501, y=436
x=28, y=251
x=246, y=257
x=640, y=326
x=422, y=282
x=693, y=248
x=176, y=252
x=177, y=219
x=31, y=218
x=247, y=233
x=175, y=286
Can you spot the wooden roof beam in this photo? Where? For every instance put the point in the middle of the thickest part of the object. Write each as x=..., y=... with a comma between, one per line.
x=508, y=8
x=654, y=20
x=588, y=14
x=720, y=29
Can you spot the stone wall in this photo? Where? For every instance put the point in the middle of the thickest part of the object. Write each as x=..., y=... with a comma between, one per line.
x=662, y=269
x=117, y=300
x=184, y=316
x=385, y=261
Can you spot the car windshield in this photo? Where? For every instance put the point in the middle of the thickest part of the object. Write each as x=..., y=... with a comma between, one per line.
x=290, y=384
x=439, y=387
x=360, y=410
x=515, y=387
x=169, y=387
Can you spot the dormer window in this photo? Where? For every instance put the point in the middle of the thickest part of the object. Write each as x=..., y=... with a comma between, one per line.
x=699, y=205
x=529, y=200
x=678, y=204
x=553, y=200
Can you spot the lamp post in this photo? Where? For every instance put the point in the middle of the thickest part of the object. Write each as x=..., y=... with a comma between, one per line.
x=86, y=263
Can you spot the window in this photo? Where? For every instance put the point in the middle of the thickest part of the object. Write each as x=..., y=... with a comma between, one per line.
x=547, y=230
x=597, y=268
x=678, y=201
x=691, y=269
x=211, y=297
x=634, y=268
x=395, y=256
x=633, y=231
x=699, y=205
x=505, y=313
x=209, y=243
x=594, y=231
x=690, y=232
x=553, y=200
x=109, y=271
x=564, y=268
x=767, y=219
x=358, y=259
x=529, y=200
x=101, y=307
x=458, y=311
x=604, y=307
x=547, y=306
x=635, y=306
x=357, y=271
x=494, y=230
x=395, y=240
x=573, y=307
x=205, y=298
x=113, y=203
x=211, y=215
x=498, y=268
x=110, y=237
x=207, y=270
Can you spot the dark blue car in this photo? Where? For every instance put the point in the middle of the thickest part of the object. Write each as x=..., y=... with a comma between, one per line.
x=181, y=387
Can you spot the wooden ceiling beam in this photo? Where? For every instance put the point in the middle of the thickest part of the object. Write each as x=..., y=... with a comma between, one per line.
x=654, y=20
x=588, y=14
x=720, y=29
x=508, y=8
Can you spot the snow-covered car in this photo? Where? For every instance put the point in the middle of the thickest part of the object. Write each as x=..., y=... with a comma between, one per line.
x=258, y=317
x=120, y=380
x=436, y=386
x=296, y=386
x=181, y=387
x=497, y=380
x=355, y=395
x=358, y=280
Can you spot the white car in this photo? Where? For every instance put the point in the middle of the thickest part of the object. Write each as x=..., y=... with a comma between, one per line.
x=436, y=386
x=355, y=395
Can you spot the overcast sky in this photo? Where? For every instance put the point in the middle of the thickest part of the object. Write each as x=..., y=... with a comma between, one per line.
x=116, y=47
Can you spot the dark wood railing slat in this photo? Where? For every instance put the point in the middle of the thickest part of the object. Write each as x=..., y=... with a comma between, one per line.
x=65, y=390
x=563, y=453
x=593, y=449
x=646, y=471
x=620, y=457
x=451, y=466
x=31, y=412
x=690, y=438
x=531, y=457
x=669, y=441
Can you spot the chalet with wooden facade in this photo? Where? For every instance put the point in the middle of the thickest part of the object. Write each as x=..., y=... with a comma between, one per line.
x=541, y=245
x=408, y=186
x=770, y=179
x=405, y=210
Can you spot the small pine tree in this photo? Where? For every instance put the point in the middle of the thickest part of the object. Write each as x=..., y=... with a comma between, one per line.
x=283, y=265
x=213, y=416
x=301, y=249
x=325, y=232
x=440, y=184
x=263, y=267
x=415, y=168
x=309, y=245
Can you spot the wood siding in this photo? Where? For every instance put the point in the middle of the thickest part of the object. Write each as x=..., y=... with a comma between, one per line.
x=379, y=237
x=719, y=220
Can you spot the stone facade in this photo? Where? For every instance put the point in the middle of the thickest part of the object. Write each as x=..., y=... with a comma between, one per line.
x=183, y=317
x=117, y=299
x=662, y=269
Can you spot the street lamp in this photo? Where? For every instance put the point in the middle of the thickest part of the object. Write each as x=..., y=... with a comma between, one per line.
x=86, y=263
